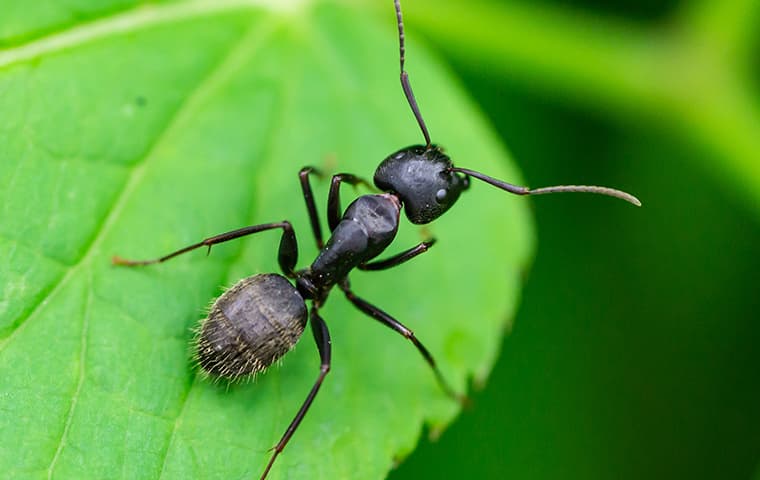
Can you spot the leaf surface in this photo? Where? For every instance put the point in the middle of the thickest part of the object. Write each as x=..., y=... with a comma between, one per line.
x=147, y=128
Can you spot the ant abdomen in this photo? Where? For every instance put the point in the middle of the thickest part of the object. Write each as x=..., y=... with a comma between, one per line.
x=250, y=326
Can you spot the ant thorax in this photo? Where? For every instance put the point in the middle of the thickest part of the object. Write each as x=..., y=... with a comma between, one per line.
x=367, y=227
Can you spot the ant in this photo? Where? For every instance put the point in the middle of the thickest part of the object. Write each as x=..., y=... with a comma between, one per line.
x=262, y=317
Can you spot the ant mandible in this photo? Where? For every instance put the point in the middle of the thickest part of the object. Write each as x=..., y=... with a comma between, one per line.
x=262, y=317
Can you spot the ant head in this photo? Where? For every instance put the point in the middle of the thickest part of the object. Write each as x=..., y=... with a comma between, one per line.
x=423, y=180
x=426, y=181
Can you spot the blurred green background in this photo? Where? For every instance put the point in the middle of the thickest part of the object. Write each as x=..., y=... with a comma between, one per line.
x=648, y=369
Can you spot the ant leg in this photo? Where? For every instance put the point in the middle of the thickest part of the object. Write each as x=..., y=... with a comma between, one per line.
x=394, y=324
x=322, y=338
x=399, y=258
x=308, y=197
x=287, y=256
x=333, y=198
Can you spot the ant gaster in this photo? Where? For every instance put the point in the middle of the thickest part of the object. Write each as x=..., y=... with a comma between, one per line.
x=262, y=317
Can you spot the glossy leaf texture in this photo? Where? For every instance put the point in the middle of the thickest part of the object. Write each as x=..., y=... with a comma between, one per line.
x=138, y=129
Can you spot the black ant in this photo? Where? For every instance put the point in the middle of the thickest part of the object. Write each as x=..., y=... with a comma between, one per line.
x=262, y=317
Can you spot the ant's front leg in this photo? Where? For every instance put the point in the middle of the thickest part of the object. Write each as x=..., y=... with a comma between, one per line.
x=399, y=258
x=334, y=212
x=311, y=207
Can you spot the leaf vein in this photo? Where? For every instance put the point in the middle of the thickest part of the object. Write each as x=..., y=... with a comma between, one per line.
x=135, y=175
x=32, y=250
x=244, y=50
x=124, y=21
x=80, y=381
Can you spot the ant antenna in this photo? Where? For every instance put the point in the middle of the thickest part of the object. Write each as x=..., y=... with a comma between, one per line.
x=405, y=76
x=518, y=190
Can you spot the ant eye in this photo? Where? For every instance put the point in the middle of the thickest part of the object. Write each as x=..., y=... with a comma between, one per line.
x=440, y=195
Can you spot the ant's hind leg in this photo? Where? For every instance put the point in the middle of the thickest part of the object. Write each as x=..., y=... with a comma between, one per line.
x=322, y=338
x=287, y=256
x=394, y=324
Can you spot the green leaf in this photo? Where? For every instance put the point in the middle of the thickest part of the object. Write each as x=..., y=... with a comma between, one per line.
x=151, y=127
